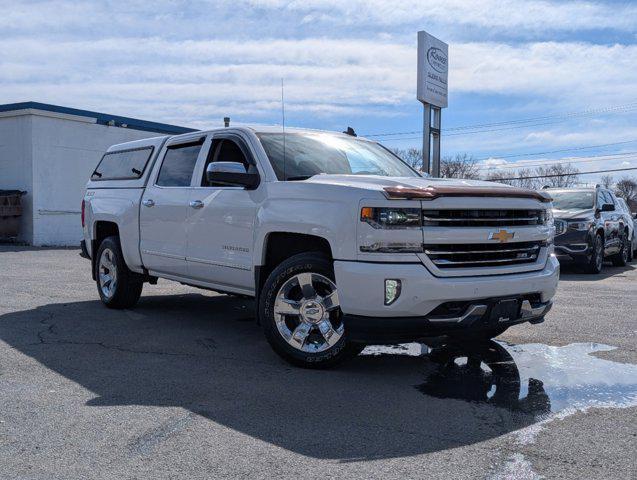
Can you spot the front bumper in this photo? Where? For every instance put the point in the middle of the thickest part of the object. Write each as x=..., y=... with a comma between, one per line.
x=361, y=296
x=573, y=244
x=478, y=316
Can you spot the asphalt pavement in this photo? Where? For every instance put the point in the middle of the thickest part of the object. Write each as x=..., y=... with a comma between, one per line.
x=185, y=386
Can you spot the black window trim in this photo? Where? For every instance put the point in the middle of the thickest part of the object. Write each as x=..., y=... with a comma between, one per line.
x=137, y=177
x=243, y=146
x=190, y=142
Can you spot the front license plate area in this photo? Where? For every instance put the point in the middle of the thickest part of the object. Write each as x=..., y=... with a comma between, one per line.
x=505, y=311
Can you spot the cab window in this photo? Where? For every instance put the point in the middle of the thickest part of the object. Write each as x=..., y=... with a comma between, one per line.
x=224, y=150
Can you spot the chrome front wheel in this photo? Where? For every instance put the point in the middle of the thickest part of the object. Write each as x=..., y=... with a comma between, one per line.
x=299, y=309
x=306, y=312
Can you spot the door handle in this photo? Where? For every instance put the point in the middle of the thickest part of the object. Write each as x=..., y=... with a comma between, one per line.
x=196, y=204
x=149, y=203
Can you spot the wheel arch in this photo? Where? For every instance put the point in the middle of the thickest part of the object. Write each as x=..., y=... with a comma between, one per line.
x=279, y=246
x=101, y=229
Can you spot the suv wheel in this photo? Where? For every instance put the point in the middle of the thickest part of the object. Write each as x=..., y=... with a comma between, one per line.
x=596, y=259
x=300, y=313
x=621, y=259
x=117, y=285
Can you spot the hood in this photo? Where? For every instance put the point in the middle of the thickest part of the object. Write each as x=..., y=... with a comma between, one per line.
x=572, y=213
x=375, y=182
x=428, y=188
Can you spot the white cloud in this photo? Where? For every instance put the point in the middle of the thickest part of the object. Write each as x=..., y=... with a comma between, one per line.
x=442, y=16
x=321, y=74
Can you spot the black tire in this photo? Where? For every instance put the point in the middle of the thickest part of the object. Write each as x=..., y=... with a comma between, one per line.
x=620, y=259
x=316, y=263
x=596, y=259
x=127, y=287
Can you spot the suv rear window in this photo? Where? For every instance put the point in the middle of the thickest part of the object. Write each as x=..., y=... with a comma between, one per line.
x=123, y=165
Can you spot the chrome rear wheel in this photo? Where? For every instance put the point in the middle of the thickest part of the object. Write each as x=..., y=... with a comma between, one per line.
x=107, y=272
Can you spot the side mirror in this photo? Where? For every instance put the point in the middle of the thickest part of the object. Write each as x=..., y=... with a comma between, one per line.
x=608, y=207
x=231, y=174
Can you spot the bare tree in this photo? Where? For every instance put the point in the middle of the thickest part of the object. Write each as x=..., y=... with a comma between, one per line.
x=413, y=156
x=501, y=177
x=462, y=165
x=627, y=189
x=607, y=181
x=556, y=175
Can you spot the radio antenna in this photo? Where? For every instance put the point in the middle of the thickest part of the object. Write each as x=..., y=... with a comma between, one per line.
x=283, y=125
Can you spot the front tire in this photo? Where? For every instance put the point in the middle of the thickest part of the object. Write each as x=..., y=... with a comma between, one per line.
x=300, y=313
x=117, y=286
x=596, y=259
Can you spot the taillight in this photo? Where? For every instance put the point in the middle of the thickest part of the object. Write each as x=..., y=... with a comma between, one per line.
x=83, y=208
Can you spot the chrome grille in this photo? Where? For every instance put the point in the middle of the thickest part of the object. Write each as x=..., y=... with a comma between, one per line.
x=482, y=255
x=481, y=218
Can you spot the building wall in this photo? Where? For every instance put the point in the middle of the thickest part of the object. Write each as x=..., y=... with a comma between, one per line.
x=65, y=152
x=51, y=156
x=15, y=166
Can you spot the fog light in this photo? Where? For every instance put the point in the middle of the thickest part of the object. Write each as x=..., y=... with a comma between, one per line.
x=392, y=291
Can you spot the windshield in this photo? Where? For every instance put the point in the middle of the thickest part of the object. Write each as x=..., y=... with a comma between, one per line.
x=308, y=154
x=578, y=200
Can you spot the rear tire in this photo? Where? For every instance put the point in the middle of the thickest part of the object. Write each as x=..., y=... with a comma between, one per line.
x=621, y=259
x=300, y=313
x=117, y=286
x=596, y=260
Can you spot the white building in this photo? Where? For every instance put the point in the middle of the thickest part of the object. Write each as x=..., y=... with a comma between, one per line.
x=50, y=152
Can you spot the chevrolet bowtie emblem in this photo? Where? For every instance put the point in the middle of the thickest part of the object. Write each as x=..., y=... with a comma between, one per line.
x=502, y=236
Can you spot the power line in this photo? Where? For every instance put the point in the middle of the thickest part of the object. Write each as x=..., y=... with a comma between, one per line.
x=519, y=123
x=586, y=159
x=569, y=174
x=531, y=154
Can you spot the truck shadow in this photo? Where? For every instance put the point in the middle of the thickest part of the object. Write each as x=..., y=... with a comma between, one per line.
x=205, y=354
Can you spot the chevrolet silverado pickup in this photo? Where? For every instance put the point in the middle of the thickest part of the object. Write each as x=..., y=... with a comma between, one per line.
x=339, y=241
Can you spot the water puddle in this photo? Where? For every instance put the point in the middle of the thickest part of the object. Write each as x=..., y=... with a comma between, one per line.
x=534, y=378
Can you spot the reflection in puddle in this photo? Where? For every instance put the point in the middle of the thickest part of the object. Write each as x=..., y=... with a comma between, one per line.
x=529, y=378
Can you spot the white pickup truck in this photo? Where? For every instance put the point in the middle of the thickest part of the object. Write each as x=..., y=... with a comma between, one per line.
x=341, y=243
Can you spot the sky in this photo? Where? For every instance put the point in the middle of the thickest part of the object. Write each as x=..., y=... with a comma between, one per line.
x=571, y=66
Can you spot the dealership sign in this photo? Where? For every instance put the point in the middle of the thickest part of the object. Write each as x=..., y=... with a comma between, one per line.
x=433, y=68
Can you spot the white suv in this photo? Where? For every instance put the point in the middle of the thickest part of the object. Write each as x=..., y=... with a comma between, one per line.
x=341, y=243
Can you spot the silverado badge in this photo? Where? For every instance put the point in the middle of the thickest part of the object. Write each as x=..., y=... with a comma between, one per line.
x=501, y=236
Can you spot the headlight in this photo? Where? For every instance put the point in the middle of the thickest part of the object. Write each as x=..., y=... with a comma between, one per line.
x=390, y=218
x=580, y=226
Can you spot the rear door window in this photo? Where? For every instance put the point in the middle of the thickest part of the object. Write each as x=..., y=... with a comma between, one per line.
x=123, y=164
x=179, y=164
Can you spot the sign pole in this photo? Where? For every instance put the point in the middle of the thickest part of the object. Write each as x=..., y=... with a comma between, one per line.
x=433, y=69
x=435, y=133
x=426, y=138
